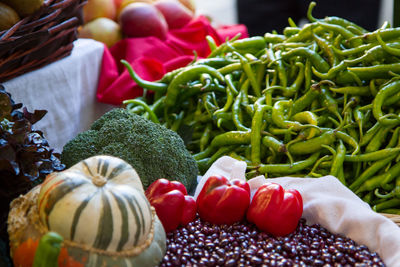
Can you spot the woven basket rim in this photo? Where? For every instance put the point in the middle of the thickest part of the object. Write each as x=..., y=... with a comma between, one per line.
x=41, y=38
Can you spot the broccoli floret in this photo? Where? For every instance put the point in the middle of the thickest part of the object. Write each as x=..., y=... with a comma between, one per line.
x=153, y=150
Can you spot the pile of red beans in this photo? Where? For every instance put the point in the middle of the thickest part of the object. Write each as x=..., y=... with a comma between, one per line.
x=242, y=244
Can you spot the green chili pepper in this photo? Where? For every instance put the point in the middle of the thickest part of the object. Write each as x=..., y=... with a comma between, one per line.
x=305, y=100
x=338, y=160
x=375, y=54
x=228, y=103
x=389, y=48
x=295, y=86
x=312, y=145
x=395, y=192
x=230, y=68
x=236, y=113
x=158, y=106
x=288, y=168
x=385, y=34
x=211, y=43
x=221, y=49
x=48, y=250
x=280, y=68
x=370, y=134
x=177, y=122
x=372, y=156
x=185, y=76
x=329, y=102
x=377, y=140
x=303, y=35
x=370, y=171
x=205, y=136
x=250, y=45
x=224, y=150
x=255, y=138
x=333, y=20
x=349, y=140
x=352, y=90
x=381, y=71
x=394, y=139
x=205, y=153
x=392, y=203
x=274, y=38
x=307, y=76
x=289, y=31
x=274, y=144
x=331, y=74
x=279, y=116
x=391, y=211
x=353, y=51
x=359, y=118
x=231, y=138
x=318, y=62
x=327, y=49
x=385, y=92
x=250, y=75
x=154, y=86
x=309, y=118
x=348, y=35
x=152, y=115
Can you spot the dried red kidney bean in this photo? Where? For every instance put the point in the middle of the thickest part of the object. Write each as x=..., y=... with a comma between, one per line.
x=203, y=244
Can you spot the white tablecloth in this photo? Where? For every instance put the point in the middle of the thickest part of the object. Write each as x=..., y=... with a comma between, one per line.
x=67, y=90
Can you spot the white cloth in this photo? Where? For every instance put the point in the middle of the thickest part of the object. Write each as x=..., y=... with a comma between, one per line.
x=66, y=89
x=330, y=204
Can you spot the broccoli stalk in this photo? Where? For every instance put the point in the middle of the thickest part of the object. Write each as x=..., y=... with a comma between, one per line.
x=153, y=150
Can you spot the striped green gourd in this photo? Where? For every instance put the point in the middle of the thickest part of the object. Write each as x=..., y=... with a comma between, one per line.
x=99, y=202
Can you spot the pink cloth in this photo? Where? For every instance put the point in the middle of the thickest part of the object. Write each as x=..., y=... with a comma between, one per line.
x=151, y=57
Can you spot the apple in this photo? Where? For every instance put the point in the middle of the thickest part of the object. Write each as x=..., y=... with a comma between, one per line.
x=189, y=4
x=117, y=4
x=99, y=9
x=124, y=3
x=175, y=13
x=141, y=20
x=103, y=30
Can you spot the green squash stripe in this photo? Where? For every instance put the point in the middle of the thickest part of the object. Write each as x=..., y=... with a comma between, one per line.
x=141, y=215
x=77, y=215
x=59, y=192
x=134, y=212
x=118, y=170
x=99, y=164
x=88, y=168
x=124, y=219
x=104, y=168
x=104, y=234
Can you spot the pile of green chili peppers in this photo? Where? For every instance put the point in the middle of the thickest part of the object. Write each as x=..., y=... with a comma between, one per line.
x=322, y=99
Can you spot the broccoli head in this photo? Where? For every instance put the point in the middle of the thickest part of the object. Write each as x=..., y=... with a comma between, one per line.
x=153, y=150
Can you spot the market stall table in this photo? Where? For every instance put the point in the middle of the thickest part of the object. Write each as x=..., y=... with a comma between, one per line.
x=67, y=90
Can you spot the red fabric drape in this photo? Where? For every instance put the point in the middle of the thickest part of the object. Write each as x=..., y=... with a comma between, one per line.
x=151, y=57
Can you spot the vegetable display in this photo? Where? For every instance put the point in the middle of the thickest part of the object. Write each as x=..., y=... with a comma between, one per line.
x=315, y=100
x=98, y=207
x=154, y=151
x=173, y=205
x=222, y=201
x=275, y=210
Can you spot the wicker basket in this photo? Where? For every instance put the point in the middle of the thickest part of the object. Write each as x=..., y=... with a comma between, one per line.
x=40, y=38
